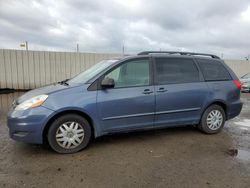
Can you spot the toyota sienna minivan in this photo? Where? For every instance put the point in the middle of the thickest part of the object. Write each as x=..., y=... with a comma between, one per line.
x=151, y=90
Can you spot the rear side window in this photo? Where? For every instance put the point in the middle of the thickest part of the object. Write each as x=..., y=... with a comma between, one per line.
x=213, y=70
x=176, y=70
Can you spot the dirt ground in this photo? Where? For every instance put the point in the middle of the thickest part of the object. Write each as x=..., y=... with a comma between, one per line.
x=176, y=157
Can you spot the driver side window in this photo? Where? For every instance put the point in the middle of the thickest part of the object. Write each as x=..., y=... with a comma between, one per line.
x=131, y=74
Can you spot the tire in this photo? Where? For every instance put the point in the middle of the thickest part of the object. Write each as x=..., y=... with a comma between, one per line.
x=209, y=125
x=69, y=133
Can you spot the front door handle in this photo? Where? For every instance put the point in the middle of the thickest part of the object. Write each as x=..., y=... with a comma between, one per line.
x=162, y=89
x=147, y=91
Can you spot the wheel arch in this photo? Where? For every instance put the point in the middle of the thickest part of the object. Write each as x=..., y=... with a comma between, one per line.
x=68, y=111
x=221, y=103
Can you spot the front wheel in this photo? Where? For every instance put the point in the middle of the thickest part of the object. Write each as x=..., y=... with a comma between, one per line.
x=69, y=133
x=213, y=119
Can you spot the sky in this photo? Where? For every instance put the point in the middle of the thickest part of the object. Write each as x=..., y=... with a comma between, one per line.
x=220, y=27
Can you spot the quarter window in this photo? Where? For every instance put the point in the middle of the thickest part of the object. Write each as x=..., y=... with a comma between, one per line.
x=176, y=70
x=130, y=74
x=213, y=70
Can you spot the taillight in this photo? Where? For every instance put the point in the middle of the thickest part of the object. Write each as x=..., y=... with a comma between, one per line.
x=238, y=84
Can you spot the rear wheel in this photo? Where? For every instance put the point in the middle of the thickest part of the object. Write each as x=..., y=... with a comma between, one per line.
x=69, y=134
x=213, y=119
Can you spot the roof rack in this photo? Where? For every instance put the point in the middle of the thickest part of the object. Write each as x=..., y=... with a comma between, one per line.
x=177, y=52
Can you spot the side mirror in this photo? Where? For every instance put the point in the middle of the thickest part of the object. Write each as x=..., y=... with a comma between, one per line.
x=108, y=83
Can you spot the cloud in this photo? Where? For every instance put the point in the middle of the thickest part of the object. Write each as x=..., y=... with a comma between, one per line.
x=212, y=26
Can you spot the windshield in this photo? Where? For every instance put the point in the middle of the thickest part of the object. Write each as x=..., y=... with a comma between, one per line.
x=246, y=76
x=83, y=77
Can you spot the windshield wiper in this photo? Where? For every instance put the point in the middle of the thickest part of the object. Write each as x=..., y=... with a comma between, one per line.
x=64, y=82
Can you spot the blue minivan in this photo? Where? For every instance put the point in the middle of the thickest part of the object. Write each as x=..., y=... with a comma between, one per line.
x=151, y=90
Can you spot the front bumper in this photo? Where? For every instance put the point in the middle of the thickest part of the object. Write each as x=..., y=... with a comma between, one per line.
x=28, y=125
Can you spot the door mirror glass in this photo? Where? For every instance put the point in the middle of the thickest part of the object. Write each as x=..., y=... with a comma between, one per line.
x=108, y=83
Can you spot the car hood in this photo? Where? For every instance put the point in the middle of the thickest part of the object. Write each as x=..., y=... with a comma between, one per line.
x=43, y=90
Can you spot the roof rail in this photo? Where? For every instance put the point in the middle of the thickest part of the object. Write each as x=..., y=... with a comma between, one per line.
x=177, y=52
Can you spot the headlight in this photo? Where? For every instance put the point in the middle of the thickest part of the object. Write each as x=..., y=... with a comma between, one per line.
x=32, y=103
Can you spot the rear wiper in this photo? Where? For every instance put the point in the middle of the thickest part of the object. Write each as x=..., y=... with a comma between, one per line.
x=64, y=82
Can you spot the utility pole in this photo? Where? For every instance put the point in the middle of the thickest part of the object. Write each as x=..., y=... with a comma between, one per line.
x=123, y=49
x=77, y=48
x=26, y=45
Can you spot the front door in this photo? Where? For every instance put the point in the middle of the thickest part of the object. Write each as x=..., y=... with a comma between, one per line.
x=131, y=103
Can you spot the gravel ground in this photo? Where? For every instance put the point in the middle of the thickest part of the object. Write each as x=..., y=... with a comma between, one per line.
x=176, y=157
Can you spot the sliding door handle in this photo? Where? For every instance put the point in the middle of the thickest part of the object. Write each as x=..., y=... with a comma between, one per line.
x=161, y=90
x=147, y=91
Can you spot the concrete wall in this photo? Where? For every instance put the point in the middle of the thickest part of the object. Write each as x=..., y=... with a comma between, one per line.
x=6, y=101
x=240, y=67
x=21, y=69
